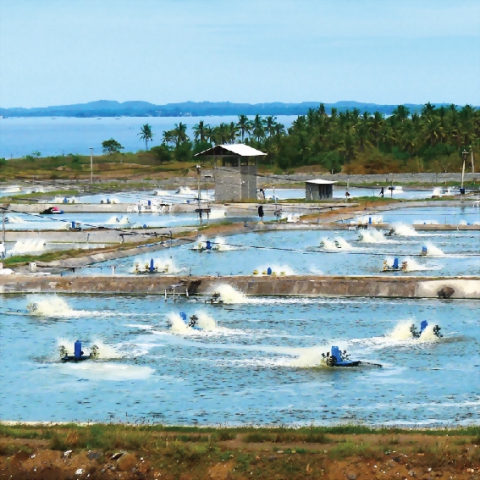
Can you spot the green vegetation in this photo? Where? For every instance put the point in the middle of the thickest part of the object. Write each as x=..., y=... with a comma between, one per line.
x=146, y=134
x=348, y=142
x=111, y=146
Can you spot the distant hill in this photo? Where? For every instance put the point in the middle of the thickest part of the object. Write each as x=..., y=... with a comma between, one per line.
x=111, y=108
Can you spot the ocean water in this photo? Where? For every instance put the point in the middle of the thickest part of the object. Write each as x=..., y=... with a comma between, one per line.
x=64, y=135
x=258, y=363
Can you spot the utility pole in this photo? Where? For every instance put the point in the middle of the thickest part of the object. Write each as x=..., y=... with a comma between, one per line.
x=471, y=158
x=91, y=165
x=465, y=156
x=3, y=226
x=199, y=171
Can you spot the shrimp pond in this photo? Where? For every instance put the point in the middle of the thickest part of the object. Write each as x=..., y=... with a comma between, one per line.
x=255, y=361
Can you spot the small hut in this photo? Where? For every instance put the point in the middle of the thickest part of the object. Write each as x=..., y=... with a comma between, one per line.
x=318, y=189
x=235, y=171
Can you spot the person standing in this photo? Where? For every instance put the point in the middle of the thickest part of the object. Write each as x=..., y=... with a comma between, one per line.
x=260, y=212
x=382, y=193
x=2, y=250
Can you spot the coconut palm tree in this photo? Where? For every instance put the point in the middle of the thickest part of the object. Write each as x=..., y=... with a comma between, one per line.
x=146, y=134
x=180, y=134
x=244, y=126
x=200, y=131
x=270, y=123
x=258, y=128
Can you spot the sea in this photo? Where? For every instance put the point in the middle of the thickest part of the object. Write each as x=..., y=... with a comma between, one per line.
x=63, y=135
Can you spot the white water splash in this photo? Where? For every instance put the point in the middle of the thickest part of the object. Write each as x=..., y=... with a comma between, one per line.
x=433, y=251
x=217, y=213
x=402, y=333
x=205, y=322
x=368, y=220
x=229, y=295
x=105, y=351
x=220, y=244
x=162, y=264
x=328, y=244
x=120, y=220
x=342, y=244
x=403, y=230
x=28, y=246
x=372, y=236
x=51, y=306
x=277, y=270
x=414, y=266
x=312, y=356
x=185, y=191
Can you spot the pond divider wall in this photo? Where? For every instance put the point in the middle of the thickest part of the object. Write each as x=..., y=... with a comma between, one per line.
x=327, y=286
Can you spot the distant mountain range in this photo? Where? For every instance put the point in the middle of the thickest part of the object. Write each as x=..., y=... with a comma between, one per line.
x=111, y=108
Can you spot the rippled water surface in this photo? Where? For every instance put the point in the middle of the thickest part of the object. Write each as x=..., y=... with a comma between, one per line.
x=258, y=363
x=300, y=252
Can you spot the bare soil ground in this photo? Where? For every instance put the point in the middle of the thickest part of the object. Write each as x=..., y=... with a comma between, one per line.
x=225, y=455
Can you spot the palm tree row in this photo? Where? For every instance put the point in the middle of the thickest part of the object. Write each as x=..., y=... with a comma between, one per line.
x=432, y=138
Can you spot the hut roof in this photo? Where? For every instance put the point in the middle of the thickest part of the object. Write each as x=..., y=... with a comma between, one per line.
x=231, y=150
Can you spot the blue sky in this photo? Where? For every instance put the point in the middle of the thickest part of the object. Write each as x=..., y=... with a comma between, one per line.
x=55, y=52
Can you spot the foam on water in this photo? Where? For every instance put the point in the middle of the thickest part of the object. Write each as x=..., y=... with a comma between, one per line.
x=15, y=219
x=404, y=230
x=28, y=246
x=101, y=371
x=229, y=295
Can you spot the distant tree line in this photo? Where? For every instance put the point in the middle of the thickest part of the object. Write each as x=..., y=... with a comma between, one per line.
x=349, y=141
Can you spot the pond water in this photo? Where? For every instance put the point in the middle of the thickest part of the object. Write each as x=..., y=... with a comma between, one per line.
x=466, y=215
x=299, y=252
x=259, y=363
x=23, y=221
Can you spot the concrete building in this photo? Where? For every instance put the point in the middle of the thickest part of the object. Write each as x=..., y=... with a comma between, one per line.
x=318, y=189
x=235, y=171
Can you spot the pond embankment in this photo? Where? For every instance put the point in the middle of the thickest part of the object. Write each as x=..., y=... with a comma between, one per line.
x=327, y=286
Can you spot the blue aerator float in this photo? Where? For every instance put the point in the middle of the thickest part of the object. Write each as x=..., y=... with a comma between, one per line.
x=191, y=322
x=395, y=267
x=337, y=358
x=150, y=267
x=78, y=354
x=423, y=326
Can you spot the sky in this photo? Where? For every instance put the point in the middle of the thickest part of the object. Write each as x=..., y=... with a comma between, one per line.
x=58, y=52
